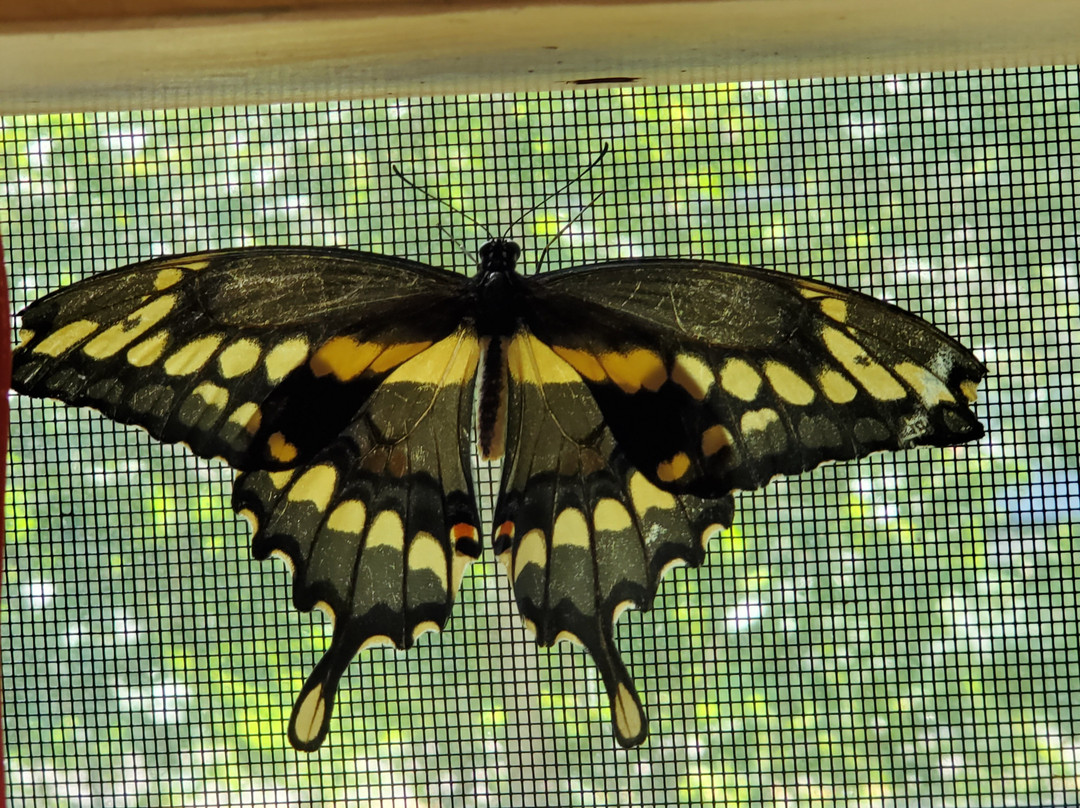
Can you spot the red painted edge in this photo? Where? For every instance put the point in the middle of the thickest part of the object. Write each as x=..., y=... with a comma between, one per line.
x=5, y=414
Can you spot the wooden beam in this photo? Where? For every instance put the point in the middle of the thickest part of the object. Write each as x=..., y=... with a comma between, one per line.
x=59, y=55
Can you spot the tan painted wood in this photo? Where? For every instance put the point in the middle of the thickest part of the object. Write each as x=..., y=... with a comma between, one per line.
x=59, y=56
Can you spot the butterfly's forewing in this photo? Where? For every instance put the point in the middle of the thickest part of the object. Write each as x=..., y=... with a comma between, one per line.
x=716, y=377
x=580, y=531
x=379, y=526
x=259, y=356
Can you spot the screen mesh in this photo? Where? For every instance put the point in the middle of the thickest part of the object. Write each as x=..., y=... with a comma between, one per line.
x=901, y=630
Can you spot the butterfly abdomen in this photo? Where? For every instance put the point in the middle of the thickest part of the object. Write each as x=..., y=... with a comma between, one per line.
x=491, y=406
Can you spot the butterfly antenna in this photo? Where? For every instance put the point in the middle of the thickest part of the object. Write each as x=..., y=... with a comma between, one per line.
x=439, y=200
x=576, y=178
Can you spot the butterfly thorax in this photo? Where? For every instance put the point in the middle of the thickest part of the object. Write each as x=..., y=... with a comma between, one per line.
x=499, y=292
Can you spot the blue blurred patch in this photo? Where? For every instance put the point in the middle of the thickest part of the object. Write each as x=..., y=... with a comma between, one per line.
x=1051, y=496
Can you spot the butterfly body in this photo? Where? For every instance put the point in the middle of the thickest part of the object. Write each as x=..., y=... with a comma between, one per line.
x=625, y=401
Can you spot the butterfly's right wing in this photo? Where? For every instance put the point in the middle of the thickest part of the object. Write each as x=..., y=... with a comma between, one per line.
x=340, y=383
x=380, y=524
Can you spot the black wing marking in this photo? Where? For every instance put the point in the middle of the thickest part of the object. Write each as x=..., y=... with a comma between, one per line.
x=715, y=377
x=232, y=351
x=580, y=531
x=379, y=525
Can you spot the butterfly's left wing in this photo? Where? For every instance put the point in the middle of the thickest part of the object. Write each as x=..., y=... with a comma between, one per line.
x=642, y=394
x=716, y=377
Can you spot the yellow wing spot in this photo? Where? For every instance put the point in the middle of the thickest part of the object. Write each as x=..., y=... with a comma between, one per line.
x=812, y=290
x=531, y=550
x=669, y=566
x=66, y=336
x=619, y=609
x=788, y=384
x=193, y=356
x=285, y=357
x=644, y=495
x=836, y=387
x=714, y=439
x=425, y=553
x=570, y=529
x=248, y=416
x=376, y=641
x=280, y=479
x=119, y=336
x=506, y=558
x=566, y=636
x=674, y=469
x=387, y=531
x=395, y=354
x=149, y=350
x=834, y=308
x=348, y=517
x=424, y=628
x=635, y=369
x=628, y=718
x=874, y=378
x=310, y=715
x=693, y=375
x=252, y=519
x=970, y=390
x=195, y=264
x=713, y=531
x=740, y=380
x=316, y=485
x=928, y=386
x=214, y=396
x=344, y=357
x=284, y=559
x=611, y=515
x=280, y=449
x=758, y=420
x=170, y=276
x=582, y=361
x=239, y=358
x=533, y=362
x=451, y=359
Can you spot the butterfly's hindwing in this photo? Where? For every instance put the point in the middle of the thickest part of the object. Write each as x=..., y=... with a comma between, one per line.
x=379, y=526
x=231, y=351
x=580, y=531
x=715, y=378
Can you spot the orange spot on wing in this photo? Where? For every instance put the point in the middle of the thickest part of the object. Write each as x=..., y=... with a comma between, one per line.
x=583, y=362
x=635, y=369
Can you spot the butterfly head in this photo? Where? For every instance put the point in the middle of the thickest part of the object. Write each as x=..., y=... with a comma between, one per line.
x=498, y=257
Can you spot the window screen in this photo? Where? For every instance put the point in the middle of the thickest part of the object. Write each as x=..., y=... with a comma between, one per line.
x=900, y=630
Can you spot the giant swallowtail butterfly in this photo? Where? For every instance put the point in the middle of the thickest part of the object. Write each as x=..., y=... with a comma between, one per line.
x=626, y=400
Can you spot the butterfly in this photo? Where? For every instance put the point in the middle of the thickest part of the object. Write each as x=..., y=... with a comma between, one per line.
x=624, y=402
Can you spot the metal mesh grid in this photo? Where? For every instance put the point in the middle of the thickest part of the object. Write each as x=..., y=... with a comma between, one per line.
x=901, y=630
